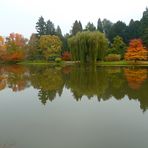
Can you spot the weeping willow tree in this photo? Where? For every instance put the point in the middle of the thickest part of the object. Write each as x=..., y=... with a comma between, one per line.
x=87, y=47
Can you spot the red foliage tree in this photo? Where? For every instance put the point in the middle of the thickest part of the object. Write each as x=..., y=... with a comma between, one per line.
x=136, y=51
x=66, y=56
x=15, y=48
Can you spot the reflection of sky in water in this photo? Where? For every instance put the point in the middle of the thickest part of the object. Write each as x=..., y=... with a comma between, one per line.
x=66, y=123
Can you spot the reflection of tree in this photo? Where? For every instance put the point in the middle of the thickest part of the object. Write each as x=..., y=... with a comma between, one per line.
x=117, y=86
x=2, y=82
x=16, y=69
x=135, y=77
x=67, y=69
x=103, y=83
x=49, y=82
x=87, y=81
x=46, y=95
x=17, y=77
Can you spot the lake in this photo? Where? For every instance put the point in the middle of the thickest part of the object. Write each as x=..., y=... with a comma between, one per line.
x=73, y=107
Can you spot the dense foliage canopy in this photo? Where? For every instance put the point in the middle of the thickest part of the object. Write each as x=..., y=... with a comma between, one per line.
x=88, y=46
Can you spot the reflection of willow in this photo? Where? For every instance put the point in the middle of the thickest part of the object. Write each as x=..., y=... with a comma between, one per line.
x=117, y=85
x=87, y=81
x=49, y=82
x=135, y=77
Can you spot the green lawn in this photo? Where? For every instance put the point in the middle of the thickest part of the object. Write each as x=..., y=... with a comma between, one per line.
x=123, y=63
x=41, y=62
x=63, y=63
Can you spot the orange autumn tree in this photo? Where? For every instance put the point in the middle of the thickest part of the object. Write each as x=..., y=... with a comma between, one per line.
x=2, y=43
x=135, y=77
x=136, y=51
x=2, y=46
x=15, y=48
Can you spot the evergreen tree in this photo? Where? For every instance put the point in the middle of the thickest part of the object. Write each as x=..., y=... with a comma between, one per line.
x=144, y=19
x=106, y=26
x=120, y=29
x=99, y=25
x=65, y=43
x=50, y=29
x=145, y=37
x=41, y=26
x=58, y=31
x=81, y=27
x=90, y=27
x=134, y=30
x=77, y=27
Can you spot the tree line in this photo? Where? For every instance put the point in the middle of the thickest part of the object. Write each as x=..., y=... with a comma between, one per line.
x=104, y=41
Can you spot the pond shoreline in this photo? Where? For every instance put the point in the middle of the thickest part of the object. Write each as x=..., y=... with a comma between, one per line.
x=100, y=63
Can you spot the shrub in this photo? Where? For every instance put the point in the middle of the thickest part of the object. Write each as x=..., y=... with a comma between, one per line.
x=113, y=57
x=66, y=56
x=58, y=60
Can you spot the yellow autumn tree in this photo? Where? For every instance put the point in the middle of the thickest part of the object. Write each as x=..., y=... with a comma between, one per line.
x=136, y=51
x=51, y=46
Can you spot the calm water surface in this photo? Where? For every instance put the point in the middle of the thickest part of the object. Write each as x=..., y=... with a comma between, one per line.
x=73, y=107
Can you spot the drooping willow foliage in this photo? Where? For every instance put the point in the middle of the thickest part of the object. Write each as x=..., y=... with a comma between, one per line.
x=87, y=47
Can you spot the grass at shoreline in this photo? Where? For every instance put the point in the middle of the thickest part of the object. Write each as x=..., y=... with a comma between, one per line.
x=100, y=63
x=123, y=63
x=46, y=63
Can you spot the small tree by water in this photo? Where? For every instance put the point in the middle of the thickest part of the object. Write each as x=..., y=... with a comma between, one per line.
x=136, y=51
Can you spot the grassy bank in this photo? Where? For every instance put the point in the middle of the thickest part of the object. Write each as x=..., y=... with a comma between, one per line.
x=100, y=63
x=46, y=63
x=123, y=63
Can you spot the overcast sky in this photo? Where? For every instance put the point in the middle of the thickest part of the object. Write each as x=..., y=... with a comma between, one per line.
x=21, y=15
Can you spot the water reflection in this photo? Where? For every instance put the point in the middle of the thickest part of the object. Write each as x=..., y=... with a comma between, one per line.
x=104, y=82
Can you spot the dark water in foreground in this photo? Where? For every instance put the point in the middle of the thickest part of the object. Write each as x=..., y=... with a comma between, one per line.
x=73, y=107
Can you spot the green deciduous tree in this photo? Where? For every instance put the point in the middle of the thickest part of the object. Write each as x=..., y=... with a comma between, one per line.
x=34, y=52
x=118, y=46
